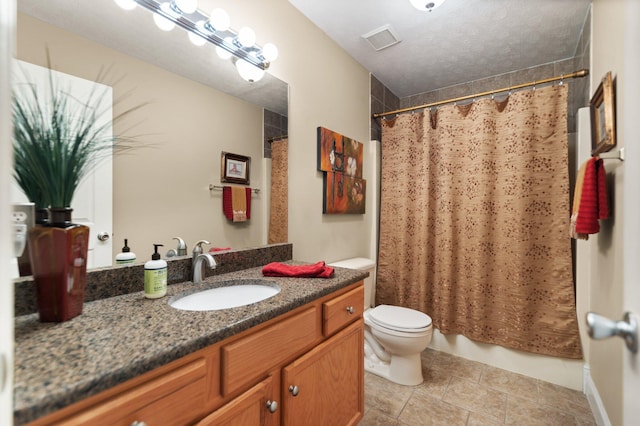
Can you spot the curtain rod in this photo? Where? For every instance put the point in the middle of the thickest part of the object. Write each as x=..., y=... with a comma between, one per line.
x=576, y=74
x=277, y=138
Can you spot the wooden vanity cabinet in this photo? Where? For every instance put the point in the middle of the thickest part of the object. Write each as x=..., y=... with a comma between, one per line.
x=314, y=352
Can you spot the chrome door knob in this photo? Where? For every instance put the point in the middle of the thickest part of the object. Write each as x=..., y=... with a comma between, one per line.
x=103, y=236
x=294, y=390
x=138, y=423
x=272, y=406
x=350, y=309
x=600, y=327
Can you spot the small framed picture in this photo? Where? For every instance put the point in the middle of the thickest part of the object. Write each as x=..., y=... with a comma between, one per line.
x=235, y=168
x=603, y=126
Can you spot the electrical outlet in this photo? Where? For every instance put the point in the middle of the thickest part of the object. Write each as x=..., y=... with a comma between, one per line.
x=23, y=213
x=19, y=217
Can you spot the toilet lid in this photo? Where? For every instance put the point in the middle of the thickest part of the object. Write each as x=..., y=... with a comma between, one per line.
x=399, y=318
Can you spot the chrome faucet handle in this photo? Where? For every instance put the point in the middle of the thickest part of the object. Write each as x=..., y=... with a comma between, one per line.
x=182, y=247
x=197, y=248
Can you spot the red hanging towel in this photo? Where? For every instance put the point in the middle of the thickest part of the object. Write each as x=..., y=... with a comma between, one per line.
x=593, y=202
x=316, y=270
x=226, y=202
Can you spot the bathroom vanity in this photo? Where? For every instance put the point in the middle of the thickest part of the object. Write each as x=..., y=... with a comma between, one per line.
x=295, y=357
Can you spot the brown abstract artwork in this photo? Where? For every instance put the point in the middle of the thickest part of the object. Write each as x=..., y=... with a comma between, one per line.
x=341, y=158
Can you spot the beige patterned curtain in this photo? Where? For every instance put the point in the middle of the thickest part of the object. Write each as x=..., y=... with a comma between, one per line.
x=474, y=221
x=279, y=213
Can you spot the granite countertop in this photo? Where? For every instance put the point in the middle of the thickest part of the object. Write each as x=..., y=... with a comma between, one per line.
x=119, y=338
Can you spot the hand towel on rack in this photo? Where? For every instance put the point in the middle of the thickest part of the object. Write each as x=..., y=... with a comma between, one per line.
x=239, y=204
x=315, y=270
x=227, y=202
x=577, y=194
x=593, y=201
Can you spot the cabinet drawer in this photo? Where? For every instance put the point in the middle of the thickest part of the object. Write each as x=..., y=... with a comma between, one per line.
x=247, y=359
x=342, y=310
x=177, y=397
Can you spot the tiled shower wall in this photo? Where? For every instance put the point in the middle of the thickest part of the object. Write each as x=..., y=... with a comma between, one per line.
x=275, y=126
x=382, y=99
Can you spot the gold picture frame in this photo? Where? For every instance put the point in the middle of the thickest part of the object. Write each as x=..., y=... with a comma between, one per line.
x=235, y=168
x=603, y=126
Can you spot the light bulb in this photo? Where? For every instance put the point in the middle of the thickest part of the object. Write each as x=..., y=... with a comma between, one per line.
x=126, y=4
x=248, y=71
x=186, y=6
x=222, y=53
x=246, y=37
x=219, y=20
x=270, y=52
x=196, y=39
x=425, y=5
x=163, y=23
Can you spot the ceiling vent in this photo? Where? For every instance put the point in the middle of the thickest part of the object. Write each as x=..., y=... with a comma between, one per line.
x=382, y=37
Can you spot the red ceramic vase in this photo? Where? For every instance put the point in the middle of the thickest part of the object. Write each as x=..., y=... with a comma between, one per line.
x=58, y=252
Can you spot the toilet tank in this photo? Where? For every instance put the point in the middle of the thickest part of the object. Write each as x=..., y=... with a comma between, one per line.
x=362, y=264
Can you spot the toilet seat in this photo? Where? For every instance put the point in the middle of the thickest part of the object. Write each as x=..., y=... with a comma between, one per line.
x=399, y=319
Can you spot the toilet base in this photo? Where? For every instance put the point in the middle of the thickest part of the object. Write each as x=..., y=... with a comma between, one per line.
x=404, y=370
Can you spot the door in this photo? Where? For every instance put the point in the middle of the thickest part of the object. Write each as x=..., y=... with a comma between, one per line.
x=92, y=202
x=7, y=39
x=631, y=131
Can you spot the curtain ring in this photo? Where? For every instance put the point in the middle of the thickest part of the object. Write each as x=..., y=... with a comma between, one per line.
x=561, y=80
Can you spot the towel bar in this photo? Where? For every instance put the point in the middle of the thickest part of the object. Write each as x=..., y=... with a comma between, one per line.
x=218, y=187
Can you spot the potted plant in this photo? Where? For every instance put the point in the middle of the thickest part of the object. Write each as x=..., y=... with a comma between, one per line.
x=58, y=140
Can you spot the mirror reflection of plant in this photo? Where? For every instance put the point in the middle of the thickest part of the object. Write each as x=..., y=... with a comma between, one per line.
x=59, y=139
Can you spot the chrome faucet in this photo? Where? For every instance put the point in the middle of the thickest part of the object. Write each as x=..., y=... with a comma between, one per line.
x=197, y=260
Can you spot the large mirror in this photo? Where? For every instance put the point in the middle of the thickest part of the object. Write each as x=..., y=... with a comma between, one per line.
x=196, y=107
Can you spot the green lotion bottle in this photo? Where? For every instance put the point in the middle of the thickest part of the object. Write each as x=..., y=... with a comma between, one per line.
x=155, y=276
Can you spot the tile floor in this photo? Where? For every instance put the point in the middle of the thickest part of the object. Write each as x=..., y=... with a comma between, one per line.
x=457, y=391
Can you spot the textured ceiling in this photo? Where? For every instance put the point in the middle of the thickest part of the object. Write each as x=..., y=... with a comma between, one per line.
x=127, y=31
x=462, y=40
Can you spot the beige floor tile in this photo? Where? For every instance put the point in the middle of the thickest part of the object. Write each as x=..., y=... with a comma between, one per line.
x=476, y=419
x=572, y=401
x=384, y=396
x=510, y=383
x=375, y=417
x=459, y=367
x=522, y=411
x=425, y=410
x=477, y=398
x=488, y=396
x=436, y=381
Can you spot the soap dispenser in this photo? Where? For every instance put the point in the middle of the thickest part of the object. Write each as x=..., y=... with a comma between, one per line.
x=126, y=256
x=155, y=276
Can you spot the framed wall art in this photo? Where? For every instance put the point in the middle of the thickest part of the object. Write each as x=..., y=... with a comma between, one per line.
x=340, y=158
x=603, y=126
x=235, y=168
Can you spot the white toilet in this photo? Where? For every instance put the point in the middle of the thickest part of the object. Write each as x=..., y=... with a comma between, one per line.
x=394, y=336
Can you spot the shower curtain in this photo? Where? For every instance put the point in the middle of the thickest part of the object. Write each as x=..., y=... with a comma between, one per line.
x=278, y=208
x=474, y=221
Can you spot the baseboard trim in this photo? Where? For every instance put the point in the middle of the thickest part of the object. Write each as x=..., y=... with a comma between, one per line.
x=595, y=402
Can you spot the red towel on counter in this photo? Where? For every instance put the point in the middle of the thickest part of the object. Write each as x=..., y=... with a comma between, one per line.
x=316, y=270
x=593, y=200
x=227, y=202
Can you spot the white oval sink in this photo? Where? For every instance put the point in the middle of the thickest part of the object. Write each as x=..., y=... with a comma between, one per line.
x=231, y=295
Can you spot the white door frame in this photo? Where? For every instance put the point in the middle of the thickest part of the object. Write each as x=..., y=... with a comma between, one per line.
x=7, y=39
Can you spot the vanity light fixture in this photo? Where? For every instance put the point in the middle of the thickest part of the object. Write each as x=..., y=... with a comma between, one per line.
x=426, y=5
x=249, y=58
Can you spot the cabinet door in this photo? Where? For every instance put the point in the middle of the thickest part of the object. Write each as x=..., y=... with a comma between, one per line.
x=249, y=409
x=326, y=385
